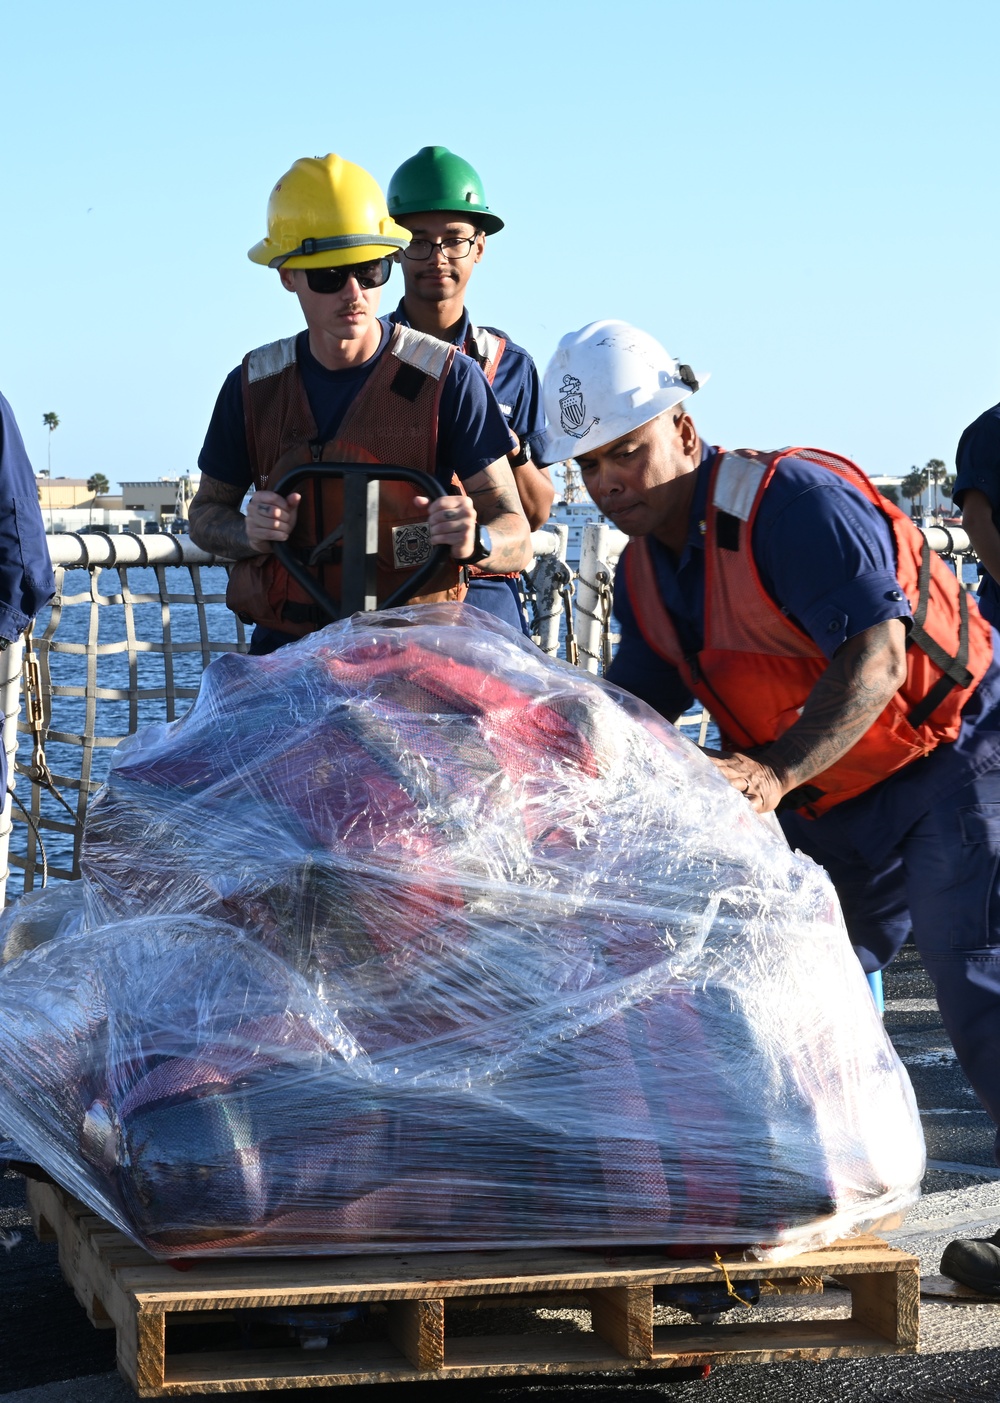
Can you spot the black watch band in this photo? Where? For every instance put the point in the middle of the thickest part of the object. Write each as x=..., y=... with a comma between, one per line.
x=481, y=549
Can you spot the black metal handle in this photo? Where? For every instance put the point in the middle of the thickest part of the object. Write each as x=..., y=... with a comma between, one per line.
x=425, y=484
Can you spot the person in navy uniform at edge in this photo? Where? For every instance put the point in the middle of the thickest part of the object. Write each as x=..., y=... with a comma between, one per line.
x=977, y=495
x=331, y=240
x=918, y=850
x=26, y=581
x=439, y=197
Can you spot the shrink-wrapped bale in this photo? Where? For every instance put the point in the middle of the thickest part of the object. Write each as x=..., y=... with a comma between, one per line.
x=409, y=937
x=40, y=916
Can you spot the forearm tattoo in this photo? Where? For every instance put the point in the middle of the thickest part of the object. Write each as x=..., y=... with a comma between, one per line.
x=217, y=524
x=499, y=507
x=850, y=695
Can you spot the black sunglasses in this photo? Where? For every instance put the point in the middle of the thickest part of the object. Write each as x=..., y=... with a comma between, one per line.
x=335, y=279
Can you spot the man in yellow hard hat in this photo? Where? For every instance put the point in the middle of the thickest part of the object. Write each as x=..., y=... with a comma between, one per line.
x=439, y=197
x=349, y=388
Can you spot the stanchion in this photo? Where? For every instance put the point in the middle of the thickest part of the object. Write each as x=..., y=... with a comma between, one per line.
x=10, y=699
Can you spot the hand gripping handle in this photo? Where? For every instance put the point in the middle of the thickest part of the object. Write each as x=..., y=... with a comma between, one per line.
x=426, y=485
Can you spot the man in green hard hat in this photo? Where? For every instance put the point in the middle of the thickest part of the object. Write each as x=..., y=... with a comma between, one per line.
x=439, y=198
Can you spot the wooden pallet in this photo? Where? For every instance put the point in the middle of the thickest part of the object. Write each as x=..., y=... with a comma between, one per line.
x=942, y=1288
x=157, y=1309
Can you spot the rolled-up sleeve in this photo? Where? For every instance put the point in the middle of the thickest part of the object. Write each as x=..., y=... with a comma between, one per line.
x=826, y=556
x=26, y=581
x=526, y=418
x=472, y=431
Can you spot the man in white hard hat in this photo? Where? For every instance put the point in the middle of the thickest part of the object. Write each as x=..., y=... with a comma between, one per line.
x=348, y=388
x=852, y=678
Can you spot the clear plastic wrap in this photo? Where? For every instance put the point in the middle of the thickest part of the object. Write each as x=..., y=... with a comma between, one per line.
x=407, y=936
x=40, y=916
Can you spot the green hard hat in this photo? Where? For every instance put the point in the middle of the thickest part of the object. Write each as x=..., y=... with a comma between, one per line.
x=436, y=179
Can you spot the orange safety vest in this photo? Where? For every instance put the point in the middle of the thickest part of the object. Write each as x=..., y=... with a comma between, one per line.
x=393, y=420
x=486, y=350
x=756, y=666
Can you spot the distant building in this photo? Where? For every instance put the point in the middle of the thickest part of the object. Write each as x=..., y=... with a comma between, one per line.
x=90, y=518
x=162, y=497
x=57, y=493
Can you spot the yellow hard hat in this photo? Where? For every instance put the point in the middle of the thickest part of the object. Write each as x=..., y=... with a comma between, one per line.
x=325, y=213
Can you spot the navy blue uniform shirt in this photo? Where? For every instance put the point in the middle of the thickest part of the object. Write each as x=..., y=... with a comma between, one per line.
x=518, y=393
x=516, y=384
x=978, y=465
x=472, y=432
x=26, y=581
x=825, y=556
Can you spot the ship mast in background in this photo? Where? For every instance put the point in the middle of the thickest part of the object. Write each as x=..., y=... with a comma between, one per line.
x=575, y=510
x=572, y=485
x=185, y=493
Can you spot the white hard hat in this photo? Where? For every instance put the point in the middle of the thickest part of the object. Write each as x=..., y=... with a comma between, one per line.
x=604, y=381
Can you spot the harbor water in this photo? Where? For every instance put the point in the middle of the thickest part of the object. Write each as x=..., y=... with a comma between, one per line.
x=166, y=677
x=149, y=674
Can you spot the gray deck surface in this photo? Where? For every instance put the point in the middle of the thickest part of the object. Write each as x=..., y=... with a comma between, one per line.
x=50, y=1354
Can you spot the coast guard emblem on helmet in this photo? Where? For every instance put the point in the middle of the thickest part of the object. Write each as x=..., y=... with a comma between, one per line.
x=572, y=410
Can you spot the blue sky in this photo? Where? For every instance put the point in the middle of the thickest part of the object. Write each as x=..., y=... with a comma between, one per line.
x=800, y=198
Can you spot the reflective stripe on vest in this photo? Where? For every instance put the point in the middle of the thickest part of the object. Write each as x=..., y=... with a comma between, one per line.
x=486, y=350
x=271, y=360
x=757, y=667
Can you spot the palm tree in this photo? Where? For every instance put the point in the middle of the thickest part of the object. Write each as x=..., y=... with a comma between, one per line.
x=936, y=472
x=913, y=485
x=98, y=484
x=51, y=422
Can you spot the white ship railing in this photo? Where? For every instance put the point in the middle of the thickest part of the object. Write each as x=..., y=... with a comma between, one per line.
x=164, y=637
x=142, y=649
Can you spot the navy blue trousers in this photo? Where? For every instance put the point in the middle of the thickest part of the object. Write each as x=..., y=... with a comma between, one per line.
x=499, y=598
x=942, y=883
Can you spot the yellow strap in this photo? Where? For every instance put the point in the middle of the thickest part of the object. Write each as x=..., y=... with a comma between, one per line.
x=729, y=1285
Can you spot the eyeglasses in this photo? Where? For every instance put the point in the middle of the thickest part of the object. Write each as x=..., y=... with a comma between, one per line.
x=335, y=279
x=453, y=247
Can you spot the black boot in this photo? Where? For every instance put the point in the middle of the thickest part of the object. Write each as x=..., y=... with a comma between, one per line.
x=975, y=1262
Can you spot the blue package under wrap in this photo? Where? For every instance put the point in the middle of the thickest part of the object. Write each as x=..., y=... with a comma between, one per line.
x=408, y=937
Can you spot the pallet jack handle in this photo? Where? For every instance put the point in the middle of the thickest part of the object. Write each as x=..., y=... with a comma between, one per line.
x=360, y=536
